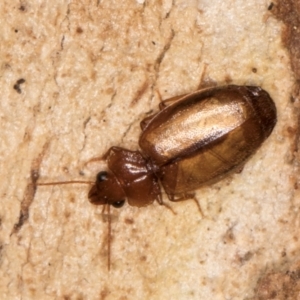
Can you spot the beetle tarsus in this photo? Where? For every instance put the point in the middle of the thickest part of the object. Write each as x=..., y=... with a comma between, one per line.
x=169, y=208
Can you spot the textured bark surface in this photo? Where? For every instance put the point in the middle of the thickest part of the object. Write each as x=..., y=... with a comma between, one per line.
x=76, y=78
x=280, y=280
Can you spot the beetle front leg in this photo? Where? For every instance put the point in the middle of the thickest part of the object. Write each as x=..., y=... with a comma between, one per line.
x=105, y=155
x=114, y=149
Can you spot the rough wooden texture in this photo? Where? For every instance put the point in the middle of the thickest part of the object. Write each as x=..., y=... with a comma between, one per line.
x=76, y=77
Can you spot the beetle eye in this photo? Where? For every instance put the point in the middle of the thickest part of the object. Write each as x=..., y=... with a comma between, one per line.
x=118, y=204
x=102, y=176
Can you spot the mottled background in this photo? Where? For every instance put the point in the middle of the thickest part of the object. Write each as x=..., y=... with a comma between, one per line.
x=76, y=78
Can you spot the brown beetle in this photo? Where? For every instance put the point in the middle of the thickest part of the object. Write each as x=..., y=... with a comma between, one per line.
x=194, y=140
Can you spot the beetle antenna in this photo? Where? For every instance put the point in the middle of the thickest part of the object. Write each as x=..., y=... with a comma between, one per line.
x=65, y=182
x=108, y=237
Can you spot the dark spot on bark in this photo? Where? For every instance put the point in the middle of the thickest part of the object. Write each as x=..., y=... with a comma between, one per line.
x=129, y=221
x=17, y=85
x=79, y=30
x=22, y=219
x=270, y=6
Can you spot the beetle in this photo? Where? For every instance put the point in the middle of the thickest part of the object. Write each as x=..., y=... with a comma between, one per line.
x=194, y=140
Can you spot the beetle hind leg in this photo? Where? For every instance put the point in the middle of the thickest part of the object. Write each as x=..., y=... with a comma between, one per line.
x=198, y=206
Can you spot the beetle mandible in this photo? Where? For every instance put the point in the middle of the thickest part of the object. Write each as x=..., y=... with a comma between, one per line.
x=194, y=140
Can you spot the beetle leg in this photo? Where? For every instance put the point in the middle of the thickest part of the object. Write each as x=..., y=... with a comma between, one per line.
x=169, y=101
x=160, y=201
x=169, y=208
x=113, y=148
x=187, y=196
x=162, y=105
x=180, y=197
x=145, y=121
x=158, y=194
x=104, y=156
x=98, y=158
x=198, y=205
x=239, y=169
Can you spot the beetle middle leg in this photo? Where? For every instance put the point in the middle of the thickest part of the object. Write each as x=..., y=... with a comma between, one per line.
x=169, y=101
x=162, y=105
x=167, y=206
x=184, y=197
x=145, y=121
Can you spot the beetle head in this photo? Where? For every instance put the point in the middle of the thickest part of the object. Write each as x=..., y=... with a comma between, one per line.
x=107, y=190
